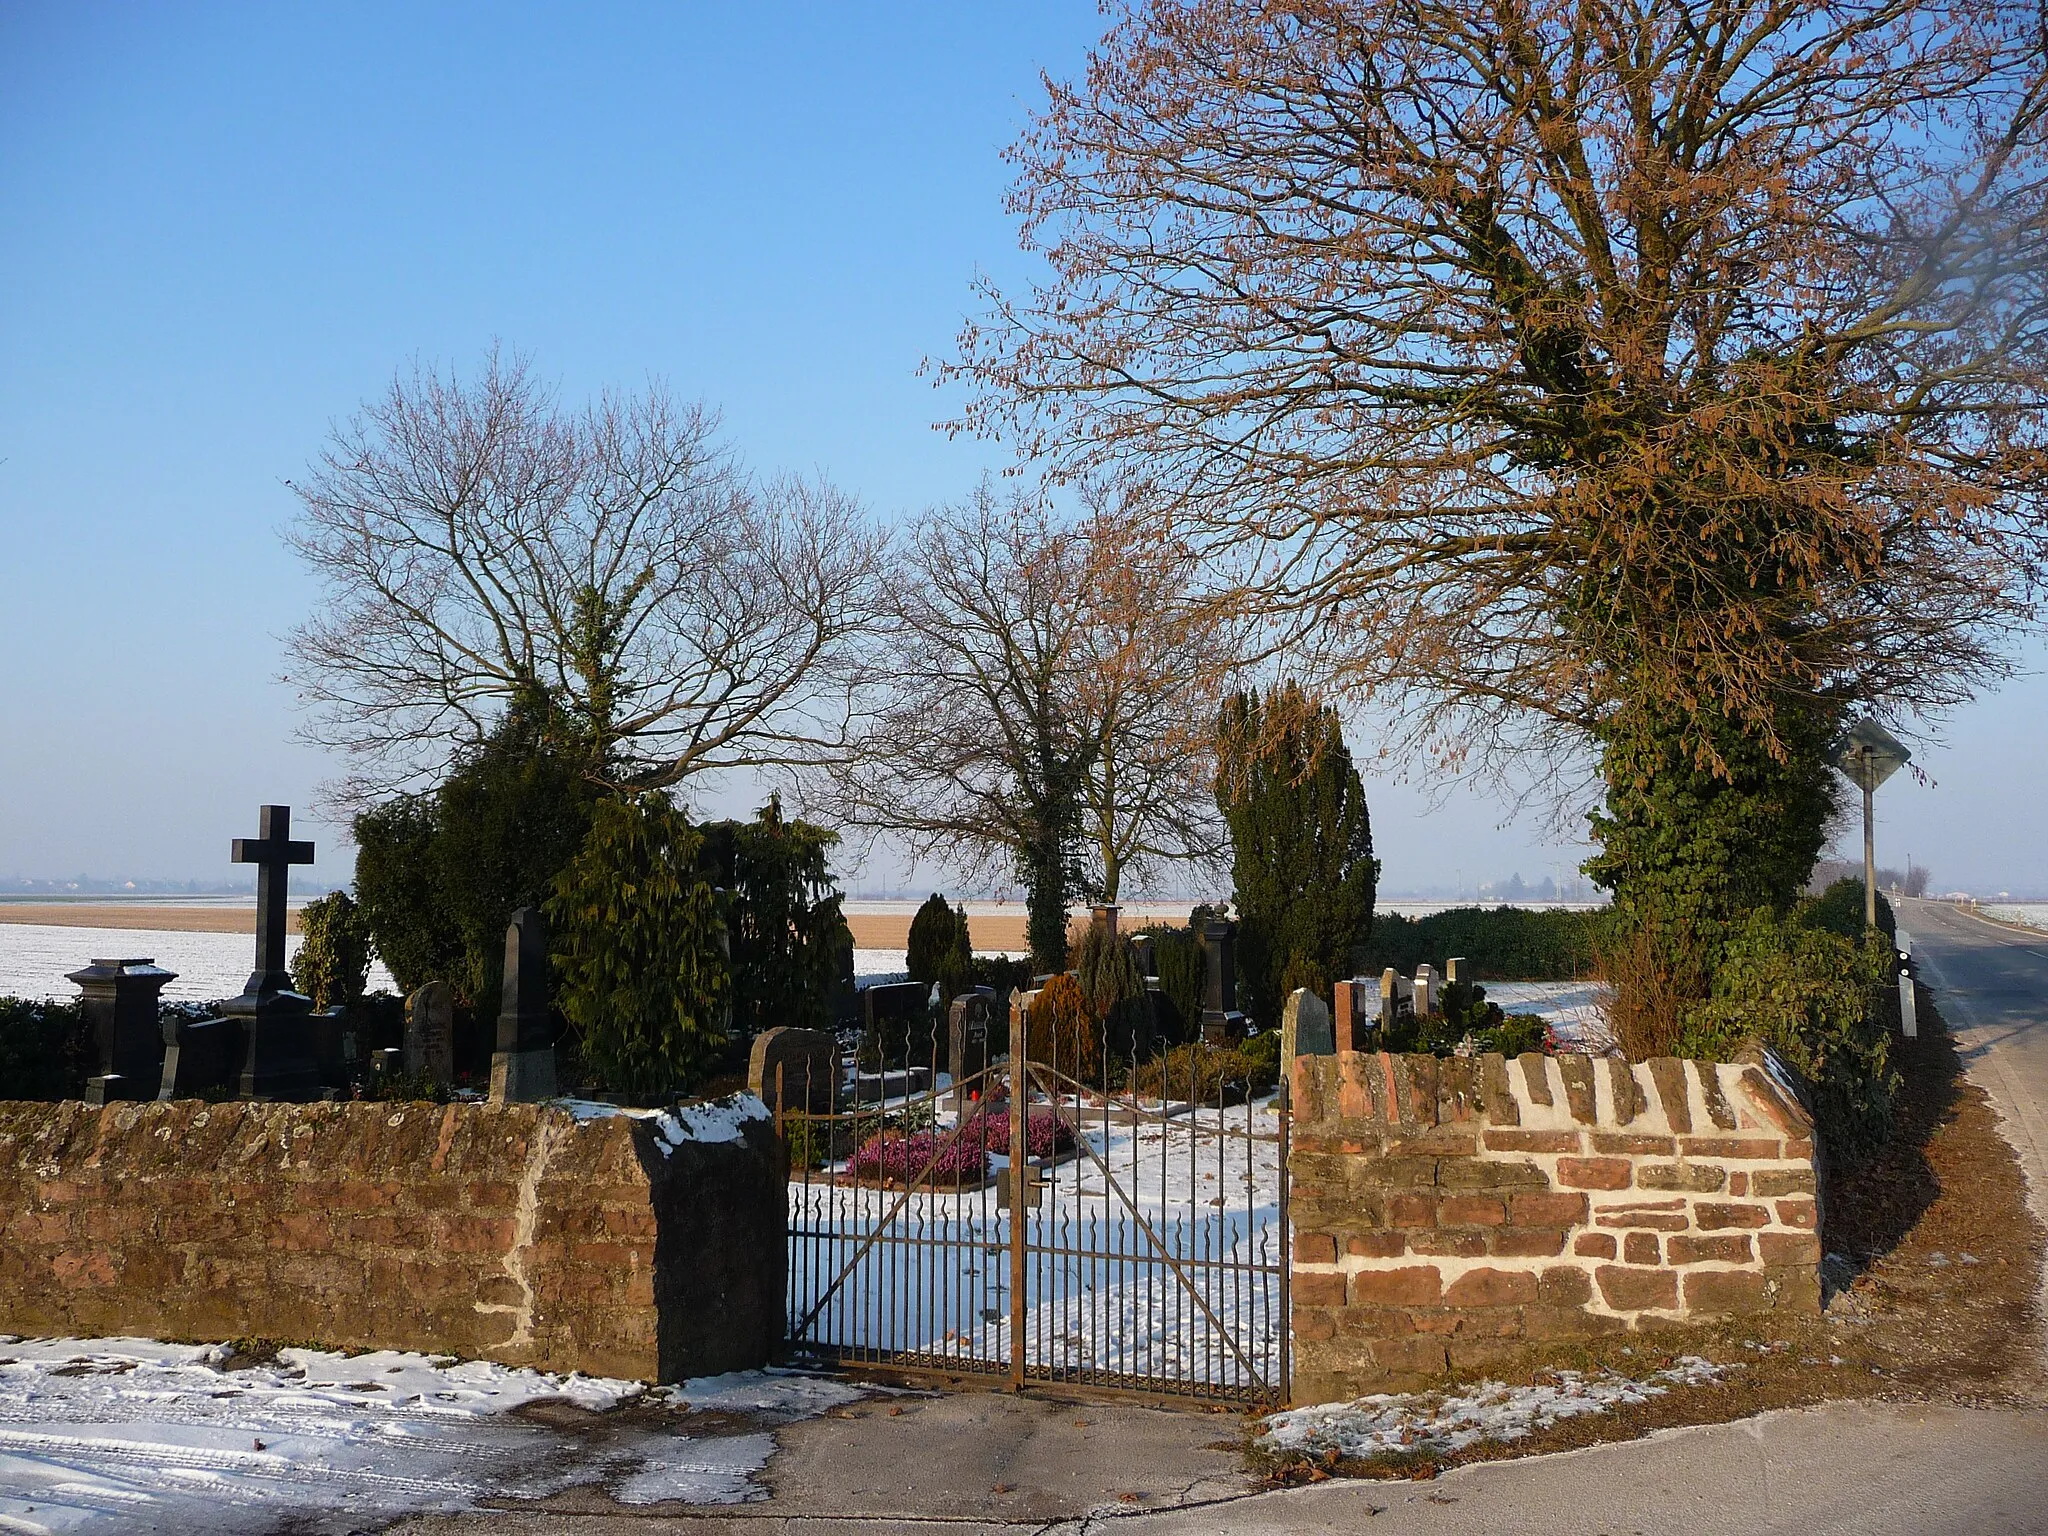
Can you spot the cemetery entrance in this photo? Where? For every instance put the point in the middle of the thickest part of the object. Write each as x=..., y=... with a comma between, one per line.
x=1126, y=1241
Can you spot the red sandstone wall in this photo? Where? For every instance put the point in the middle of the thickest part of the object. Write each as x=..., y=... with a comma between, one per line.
x=508, y=1233
x=1449, y=1212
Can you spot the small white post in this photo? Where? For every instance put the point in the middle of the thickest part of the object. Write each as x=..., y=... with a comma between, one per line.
x=1907, y=1021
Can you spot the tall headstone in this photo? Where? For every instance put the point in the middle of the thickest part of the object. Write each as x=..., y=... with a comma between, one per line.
x=523, y=1066
x=1425, y=991
x=280, y=1058
x=430, y=1033
x=969, y=1022
x=1305, y=1029
x=1220, y=1019
x=1357, y=1014
x=1453, y=969
x=795, y=1069
x=120, y=1003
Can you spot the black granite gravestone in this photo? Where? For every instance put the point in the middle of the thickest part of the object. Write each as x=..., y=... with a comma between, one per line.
x=896, y=1026
x=968, y=1025
x=120, y=1003
x=279, y=1059
x=1221, y=1021
x=523, y=1066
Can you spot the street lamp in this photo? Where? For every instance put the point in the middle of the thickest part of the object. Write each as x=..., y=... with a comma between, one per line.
x=1869, y=754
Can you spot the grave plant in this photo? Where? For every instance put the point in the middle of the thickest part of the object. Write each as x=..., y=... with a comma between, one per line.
x=940, y=949
x=333, y=963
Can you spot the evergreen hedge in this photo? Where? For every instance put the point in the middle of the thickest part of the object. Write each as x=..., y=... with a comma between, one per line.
x=1497, y=943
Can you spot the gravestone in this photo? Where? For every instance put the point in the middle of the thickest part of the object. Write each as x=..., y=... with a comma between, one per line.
x=796, y=1069
x=200, y=1055
x=896, y=1025
x=969, y=1022
x=280, y=1058
x=523, y=1066
x=1357, y=1014
x=1305, y=1030
x=1221, y=1022
x=1425, y=991
x=1397, y=998
x=1452, y=968
x=430, y=1033
x=120, y=1003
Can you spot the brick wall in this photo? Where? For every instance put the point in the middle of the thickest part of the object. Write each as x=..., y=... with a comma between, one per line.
x=1449, y=1212
x=510, y=1233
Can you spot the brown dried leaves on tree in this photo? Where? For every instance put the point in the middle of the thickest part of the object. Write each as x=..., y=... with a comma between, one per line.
x=1543, y=354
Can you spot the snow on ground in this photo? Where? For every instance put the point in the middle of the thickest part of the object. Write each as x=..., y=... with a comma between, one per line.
x=138, y=1436
x=1575, y=1010
x=719, y=1120
x=1098, y=1295
x=1442, y=1422
x=35, y=958
x=2032, y=914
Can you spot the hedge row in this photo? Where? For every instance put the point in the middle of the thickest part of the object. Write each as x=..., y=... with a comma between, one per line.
x=1497, y=943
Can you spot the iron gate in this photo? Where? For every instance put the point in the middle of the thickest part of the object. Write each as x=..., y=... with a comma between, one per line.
x=1143, y=1249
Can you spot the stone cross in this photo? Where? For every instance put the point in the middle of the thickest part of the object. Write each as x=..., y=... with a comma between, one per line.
x=523, y=1066
x=280, y=1059
x=274, y=853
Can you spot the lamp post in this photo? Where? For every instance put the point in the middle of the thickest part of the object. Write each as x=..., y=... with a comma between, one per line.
x=1869, y=754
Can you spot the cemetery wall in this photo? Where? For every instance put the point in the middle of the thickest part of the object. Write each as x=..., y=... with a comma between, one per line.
x=1449, y=1213
x=617, y=1246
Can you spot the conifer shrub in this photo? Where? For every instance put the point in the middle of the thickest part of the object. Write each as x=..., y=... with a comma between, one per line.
x=1064, y=1032
x=46, y=1049
x=790, y=945
x=332, y=965
x=940, y=950
x=1182, y=977
x=638, y=946
x=1497, y=943
x=1301, y=844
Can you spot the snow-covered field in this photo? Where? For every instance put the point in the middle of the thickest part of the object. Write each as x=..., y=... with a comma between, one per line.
x=137, y=1436
x=1442, y=1422
x=34, y=959
x=2034, y=914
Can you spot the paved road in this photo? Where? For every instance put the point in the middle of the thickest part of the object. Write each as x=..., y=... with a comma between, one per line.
x=1900, y=1470
x=1993, y=982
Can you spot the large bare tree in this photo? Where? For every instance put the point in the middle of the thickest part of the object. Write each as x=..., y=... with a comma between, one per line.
x=482, y=546
x=1039, y=707
x=1664, y=374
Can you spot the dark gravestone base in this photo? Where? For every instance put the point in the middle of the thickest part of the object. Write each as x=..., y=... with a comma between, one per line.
x=201, y=1057
x=282, y=1059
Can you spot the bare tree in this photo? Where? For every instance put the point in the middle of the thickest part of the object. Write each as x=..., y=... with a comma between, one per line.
x=1039, y=708
x=1663, y=375
x=1148, y=671
x=481, y=546
x=973, y=749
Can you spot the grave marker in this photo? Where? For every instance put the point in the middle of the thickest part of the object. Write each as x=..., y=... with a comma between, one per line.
x=796, y=1069
x=1305, y=1030
x=969, y=1023
x=1221, y=1022
x=279, y=1056
x=120, y=1003
x=523, y=1066
x=430, y=1033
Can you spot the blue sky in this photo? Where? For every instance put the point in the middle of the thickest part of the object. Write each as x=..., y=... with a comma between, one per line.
x=223, y=226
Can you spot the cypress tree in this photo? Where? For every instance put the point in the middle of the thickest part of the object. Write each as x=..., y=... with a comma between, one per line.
x=1301, y=845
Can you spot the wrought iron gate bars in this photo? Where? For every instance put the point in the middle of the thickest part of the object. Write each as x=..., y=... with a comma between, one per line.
x=1224, y=1292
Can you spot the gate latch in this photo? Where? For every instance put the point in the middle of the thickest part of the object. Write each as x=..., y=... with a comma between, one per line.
x=1034, y=1186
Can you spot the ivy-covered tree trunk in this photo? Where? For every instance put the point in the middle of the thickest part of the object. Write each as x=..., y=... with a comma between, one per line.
x=1689, y=850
